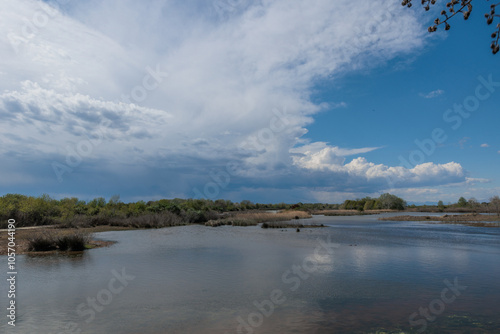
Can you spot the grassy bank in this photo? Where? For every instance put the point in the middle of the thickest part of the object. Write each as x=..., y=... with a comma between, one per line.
x=470, y=219
x=149, y=220
x=50, y=239
x=255, y=218
x=76, y=233
x=341, y=212
x=450, y=209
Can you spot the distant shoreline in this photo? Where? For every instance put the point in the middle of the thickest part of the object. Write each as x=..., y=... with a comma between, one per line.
x=471, y=219
x=23, y=236
x=269, y=220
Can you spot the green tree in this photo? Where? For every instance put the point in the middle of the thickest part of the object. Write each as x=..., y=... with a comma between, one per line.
x=369, y=205
x=96, y=205
x=392, y=202
x=473, y=203
x=440, y=205
x=9, y=206
x=38, y=210
x=462, y=202
x=246, y=205
x=67, y=206
x=349, y=205
x=139, y=208
x=495, y=204
x=115, y=199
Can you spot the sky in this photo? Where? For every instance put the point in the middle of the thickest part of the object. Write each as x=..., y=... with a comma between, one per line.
x=269, y=101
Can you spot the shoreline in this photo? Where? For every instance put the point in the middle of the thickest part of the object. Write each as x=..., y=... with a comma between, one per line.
x=23, y=234
x=471, y=219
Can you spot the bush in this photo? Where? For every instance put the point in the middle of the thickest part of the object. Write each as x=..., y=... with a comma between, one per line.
x=48, y=241
x=157, y=220
x=73, y=242
x=194, y=217
x=41, y=242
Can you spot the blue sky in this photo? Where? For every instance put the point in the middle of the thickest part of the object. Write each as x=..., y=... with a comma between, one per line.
x=269, y=101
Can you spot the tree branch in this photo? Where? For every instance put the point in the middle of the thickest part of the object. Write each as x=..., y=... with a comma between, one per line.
x=466, y=10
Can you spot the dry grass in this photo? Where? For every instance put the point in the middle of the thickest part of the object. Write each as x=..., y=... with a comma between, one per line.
x=474, y=224
x=153, y=220
x=255, y=218
x=350, y=212
x=52, y=239
x=450, y=209
x=289, y=224
x=471, y=219
x=23, y=237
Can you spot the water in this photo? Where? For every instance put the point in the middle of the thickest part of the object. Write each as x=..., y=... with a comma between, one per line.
x=197, y=279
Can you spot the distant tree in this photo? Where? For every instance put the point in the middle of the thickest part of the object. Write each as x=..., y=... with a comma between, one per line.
x=68, y=207
x=138, y=207
x=246, y=204
x=392, y=202
x=453, y=7
x=221, y=205
x=346, y=205
x=473, y=203
x=115, y=199
x=441, y=205
x=99, y=202
x=495, y=204
x=462, y=202
x=369, y=205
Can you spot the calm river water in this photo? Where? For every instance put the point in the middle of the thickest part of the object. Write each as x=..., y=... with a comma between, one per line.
x=356, y=275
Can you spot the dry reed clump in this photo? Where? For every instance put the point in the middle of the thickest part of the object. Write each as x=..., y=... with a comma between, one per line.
x=156, y=220
x=470, y=217
x=289, y=225
x=49, y=240
x=153, y=220
x=255, y=218
x=41, y=242
x=82, y=221
x=473, y=224
x=73, y=242
x=349, y=212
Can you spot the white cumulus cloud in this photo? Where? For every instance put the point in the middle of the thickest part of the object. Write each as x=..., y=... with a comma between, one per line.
x=235, y=88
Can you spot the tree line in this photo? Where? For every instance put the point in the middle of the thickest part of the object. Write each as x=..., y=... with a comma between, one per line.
x=474, y=205
x=384, y=202
x=44, y=210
